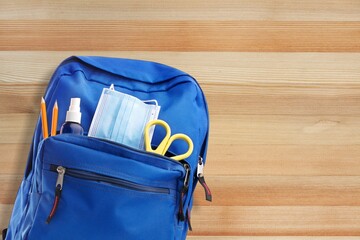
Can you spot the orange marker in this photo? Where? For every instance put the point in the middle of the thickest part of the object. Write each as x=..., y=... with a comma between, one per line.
x=54, y=119
x=44, y=119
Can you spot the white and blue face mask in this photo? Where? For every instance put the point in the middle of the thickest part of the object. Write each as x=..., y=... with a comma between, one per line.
x=121, y=118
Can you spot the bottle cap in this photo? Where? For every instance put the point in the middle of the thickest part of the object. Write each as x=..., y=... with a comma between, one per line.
x=74, y=114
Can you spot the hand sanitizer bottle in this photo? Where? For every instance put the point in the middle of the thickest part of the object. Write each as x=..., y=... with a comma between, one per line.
x=73, y=119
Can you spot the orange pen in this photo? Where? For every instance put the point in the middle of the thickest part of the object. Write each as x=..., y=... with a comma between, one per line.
x=44, y=119
x=54, y=119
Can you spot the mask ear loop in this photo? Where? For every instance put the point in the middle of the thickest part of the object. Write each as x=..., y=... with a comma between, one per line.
x=152, y=101
x=154, y=113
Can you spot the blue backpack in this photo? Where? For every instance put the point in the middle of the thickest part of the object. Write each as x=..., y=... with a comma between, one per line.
x=110, y=190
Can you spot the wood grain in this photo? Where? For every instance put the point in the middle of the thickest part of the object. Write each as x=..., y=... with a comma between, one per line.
x=269, y=221
x=320, y=74
x=246, y=160
x=247, y=129
x=283, y=160
x=271, y=238
x=282, y=83
x=258, y=83
x=281, y=191
x=174, y=35
x=284, y=10
x=253, y=190
x=276, y=220
x=13, y=160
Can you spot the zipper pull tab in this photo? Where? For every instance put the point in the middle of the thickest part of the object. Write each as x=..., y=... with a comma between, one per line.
x=60, y=179
x=201, y=178
x=188, y=212
x=184, y=190
x=58, y=188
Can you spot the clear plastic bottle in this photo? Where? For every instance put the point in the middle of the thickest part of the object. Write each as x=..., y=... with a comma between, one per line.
x=73, y=119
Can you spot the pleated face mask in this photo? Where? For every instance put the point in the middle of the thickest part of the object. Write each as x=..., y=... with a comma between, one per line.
x=121, y=118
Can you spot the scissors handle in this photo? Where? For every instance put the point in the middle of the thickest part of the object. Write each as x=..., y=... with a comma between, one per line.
x=167, y=141
x=187, y=139
x=161, y=148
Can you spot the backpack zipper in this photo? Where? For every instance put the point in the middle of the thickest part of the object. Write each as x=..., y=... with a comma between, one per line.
x=91, y=176
x=58, y=189
x=201, y=178
x=183, y=191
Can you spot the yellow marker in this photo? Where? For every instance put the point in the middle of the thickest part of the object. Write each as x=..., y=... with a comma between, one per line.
x=44, y=119
x=54, y=119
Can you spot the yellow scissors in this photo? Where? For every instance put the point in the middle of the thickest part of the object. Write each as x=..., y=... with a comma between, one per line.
x=167, y=141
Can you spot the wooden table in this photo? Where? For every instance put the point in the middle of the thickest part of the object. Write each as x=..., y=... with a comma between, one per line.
x=282, y=79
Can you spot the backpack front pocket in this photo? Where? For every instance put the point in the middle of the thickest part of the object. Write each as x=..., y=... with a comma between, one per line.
x=83, y=196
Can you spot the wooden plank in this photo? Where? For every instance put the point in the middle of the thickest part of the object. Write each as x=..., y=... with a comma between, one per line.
x=266, y=83
x=247, y=69
x=249, y=160
x=304, y=100
x=278, y=151
x=5, y=212
x=13, y=158
x=21, y=98
x=17, y=128
x=254, y=190
x=245, y=129
x=276, y=221
x=264, y=221
x=266, y=238
x=267, y=159
x=268, y=129
x=247, y=99
x=269, y=238
x=9, y=185
x=306, y=10
x=175, y=35
x=243, y=160
x=279, y=191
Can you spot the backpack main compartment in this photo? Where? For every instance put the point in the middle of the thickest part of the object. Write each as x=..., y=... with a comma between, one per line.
x=111, y=191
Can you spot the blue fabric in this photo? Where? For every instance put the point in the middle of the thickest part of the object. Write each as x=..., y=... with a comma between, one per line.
x=90, y=209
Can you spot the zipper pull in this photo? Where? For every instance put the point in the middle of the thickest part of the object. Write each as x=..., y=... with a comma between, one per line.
x=58, y=188
x=184, y=190
x=201, y=178
x=188, y=219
